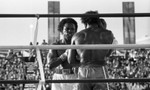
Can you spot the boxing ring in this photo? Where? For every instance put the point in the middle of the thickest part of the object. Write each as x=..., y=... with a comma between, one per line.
x=96, y=46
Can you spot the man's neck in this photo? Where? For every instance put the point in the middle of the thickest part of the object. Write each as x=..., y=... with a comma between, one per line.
x=92, y=25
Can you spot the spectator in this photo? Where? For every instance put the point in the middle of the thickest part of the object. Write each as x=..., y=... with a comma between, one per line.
x=44, y=42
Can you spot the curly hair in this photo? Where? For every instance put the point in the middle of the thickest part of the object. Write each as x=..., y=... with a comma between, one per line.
x=90, y=20
x=64, y=21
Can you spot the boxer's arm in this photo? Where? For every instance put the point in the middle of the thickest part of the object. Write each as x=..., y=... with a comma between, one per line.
x=113, y=41
x=72, y=53
x=55, y=60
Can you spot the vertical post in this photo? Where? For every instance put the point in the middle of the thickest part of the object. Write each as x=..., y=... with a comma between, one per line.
x=129, y=24
x=31, y=33
x=41, y=69
x=38, y=53
x=53, y=8
x=36, y=33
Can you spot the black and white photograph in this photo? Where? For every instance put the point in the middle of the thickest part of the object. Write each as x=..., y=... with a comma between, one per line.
x=74, y=45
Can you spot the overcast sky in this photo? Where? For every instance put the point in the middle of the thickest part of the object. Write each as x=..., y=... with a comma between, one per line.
x=19, y=31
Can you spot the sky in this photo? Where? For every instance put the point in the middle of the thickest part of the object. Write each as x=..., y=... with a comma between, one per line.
x=19, y=31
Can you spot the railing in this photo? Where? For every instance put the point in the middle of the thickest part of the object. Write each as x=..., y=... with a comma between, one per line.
x=74, y=81
x=75, y=15
x=95, y=46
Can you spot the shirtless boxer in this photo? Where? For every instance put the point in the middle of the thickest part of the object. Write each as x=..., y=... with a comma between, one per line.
x=58, y=58
x=91, y=61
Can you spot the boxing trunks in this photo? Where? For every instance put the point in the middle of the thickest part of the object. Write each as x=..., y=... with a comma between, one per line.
x=91, y=72
x=63, y=74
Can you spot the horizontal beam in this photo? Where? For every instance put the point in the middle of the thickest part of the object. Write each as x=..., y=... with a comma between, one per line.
x=98, y=81
x=88, y=46
x=75, y=15
x=18, y=81
x=73, y=81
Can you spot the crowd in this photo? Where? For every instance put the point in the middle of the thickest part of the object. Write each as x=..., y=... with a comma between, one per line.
x=130, y=64
x=16, y=66
x=133, y=64
x=12, y=69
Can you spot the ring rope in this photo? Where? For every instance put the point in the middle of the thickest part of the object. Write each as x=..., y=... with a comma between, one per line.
x=18, y=81
x=74, y=81
x=99, y=80
x=75, y=15
x=95, y=46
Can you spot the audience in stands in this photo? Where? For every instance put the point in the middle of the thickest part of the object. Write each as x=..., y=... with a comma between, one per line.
x=132, y=64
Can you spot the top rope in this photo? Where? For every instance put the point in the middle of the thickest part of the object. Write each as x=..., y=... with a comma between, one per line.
x=75, y=15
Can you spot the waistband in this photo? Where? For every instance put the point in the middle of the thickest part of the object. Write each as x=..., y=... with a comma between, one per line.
x=93, y=63
x=64, y=71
